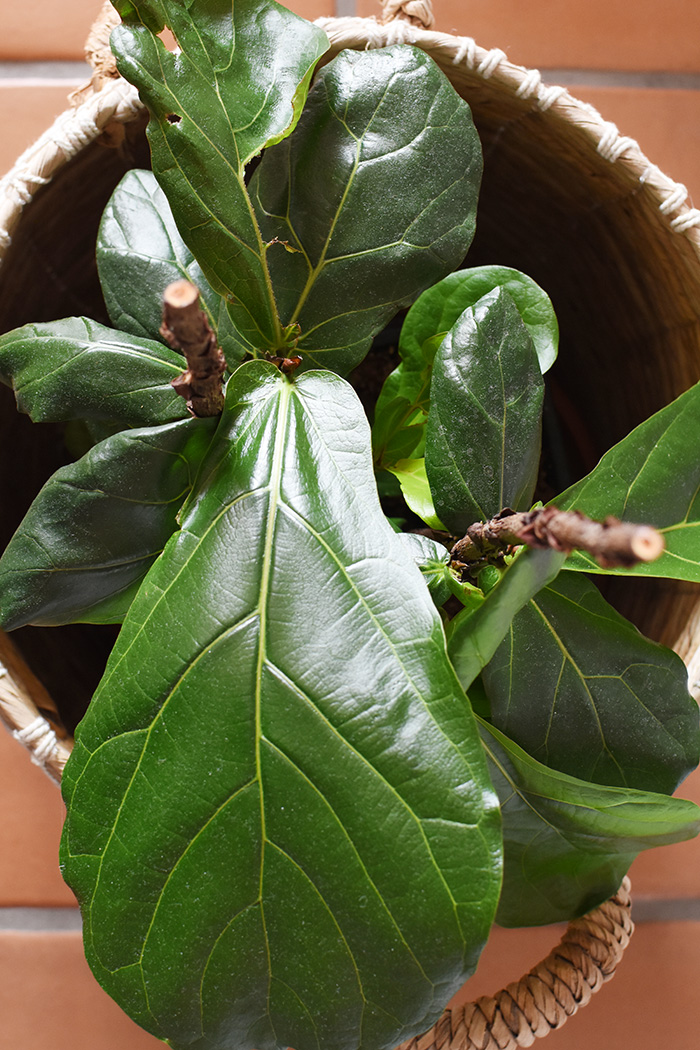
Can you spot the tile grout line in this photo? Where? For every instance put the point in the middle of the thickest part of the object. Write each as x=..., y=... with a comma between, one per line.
x=645, y=910
x=57, y=73
x=39, y=920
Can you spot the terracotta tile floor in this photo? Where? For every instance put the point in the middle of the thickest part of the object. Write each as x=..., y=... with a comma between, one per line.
x=598, y=34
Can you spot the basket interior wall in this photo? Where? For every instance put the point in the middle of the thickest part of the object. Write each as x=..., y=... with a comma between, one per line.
x=625, y=287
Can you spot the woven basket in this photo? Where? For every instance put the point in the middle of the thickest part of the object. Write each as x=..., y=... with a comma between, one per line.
x=565, y=198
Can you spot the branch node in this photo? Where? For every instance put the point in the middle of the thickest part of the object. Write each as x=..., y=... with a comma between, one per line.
x=613, y=543
x=185, y=327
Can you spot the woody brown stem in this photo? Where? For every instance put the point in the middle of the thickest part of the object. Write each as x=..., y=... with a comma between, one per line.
x=186, y=328
x=613, y=543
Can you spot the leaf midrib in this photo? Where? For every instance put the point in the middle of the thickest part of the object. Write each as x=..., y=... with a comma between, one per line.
x=274, y=491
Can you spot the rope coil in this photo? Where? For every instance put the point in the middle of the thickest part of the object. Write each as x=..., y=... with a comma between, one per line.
x=546, y=997
x=417, y=12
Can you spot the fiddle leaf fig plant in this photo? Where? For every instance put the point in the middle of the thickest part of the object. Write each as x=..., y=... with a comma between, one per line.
x=362, y=703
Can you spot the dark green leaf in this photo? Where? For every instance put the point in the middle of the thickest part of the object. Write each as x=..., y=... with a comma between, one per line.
x=440, y=307
x=376, y=191
x=482, y=444
x=237, y=85
x=78, y=369
x=580, y=689
x=651, y=476
x=301, y=667
x=568, y=843
x=475, y=633
x=97, y=526
x=402, y=407
x=140, y=252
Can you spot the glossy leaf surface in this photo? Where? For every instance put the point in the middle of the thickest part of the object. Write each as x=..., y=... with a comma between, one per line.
x=78, y=369
x=581, y=690
x=140, y=252
x=568, y=843
x=441, y=306
x=237, y=85
x=651, y=476
x=476, y=632
x=482, y=444
x=97, y=526
x=302, y=668
x=375, y=191
x=404, y=401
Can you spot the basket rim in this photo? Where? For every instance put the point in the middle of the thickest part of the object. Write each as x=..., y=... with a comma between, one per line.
x=113, y=100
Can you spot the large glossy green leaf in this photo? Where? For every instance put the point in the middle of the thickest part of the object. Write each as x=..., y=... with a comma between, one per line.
x=482, y=444
x=476, y=632
x=376, y=194
x=78, y=369
x=568, y=843
x=237, y=84
x=653, y=476
x=140, y=252
x=97, y=526
x=580, y=689
x=281, y=831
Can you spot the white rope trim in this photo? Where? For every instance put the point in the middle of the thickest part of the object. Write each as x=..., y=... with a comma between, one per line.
x=465, y=52
x=530, y=85
x=547, y=96
x=686, y=221
x=71, y=132
x=676, y=197
x=490, y=63
x=40, y=740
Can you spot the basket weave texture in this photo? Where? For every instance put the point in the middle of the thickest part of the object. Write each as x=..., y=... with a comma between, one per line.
x=567, y=199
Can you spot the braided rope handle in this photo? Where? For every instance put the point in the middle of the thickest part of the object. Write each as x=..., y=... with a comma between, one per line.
x=546, y=997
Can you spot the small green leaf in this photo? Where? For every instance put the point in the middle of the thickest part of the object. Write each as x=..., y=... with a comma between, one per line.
x=401, y=412
x=433, y=560
x=568, y=843
x=236, y=85
x=651, y=476
x=403, y=404
x=98, y=525
x=140, y=252
x=78, y=369
x=476, y=632
x=440, y=307
x=482, y=444
x=581, y=690
x=377, y=189
x=301, y=667
x=410, y=473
